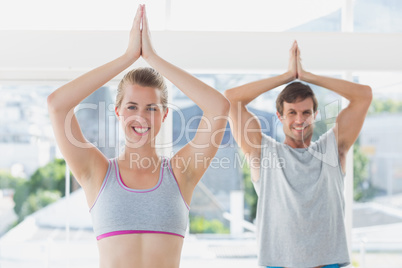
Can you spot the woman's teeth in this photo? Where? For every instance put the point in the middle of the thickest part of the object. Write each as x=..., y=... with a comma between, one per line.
x=140, y=130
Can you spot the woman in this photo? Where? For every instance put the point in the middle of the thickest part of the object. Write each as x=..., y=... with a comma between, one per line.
x=139, y=211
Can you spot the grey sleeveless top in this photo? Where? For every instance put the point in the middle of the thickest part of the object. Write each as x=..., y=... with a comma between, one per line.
x=119, y=209
x=300, y=211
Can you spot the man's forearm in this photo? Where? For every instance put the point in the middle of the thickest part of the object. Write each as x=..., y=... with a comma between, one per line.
x=248, y=92
x=349, y=90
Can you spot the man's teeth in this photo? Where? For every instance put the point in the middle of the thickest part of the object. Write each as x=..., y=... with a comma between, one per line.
x=140, y=129
x=299, y=128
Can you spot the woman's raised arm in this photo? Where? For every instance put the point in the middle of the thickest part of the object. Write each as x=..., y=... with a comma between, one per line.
x=71, y=94
x=190, y=163
x=80, y=155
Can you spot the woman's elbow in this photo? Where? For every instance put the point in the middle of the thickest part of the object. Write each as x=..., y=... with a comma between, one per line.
x=54, y=103
x=225, y=106
x=50, y=103
x=220, y=107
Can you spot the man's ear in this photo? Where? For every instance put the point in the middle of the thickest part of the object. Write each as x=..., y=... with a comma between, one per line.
x=165, y=115
x=280, y=117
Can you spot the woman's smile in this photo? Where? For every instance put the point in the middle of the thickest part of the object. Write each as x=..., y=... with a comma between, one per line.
x=141, y=130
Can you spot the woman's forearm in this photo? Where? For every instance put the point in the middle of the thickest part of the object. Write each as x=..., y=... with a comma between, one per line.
x=206, y=97
x=71, y=94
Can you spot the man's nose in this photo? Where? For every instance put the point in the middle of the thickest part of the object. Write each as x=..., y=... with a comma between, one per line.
x=300, y=118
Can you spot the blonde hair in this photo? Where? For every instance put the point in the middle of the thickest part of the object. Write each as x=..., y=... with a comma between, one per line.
x=145, y=77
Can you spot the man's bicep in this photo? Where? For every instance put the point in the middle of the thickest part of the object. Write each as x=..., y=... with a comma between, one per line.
x=246, y=129
x=349, y=124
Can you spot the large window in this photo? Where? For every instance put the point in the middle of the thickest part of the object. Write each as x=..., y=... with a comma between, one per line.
x=377, y=211
x=377, y=16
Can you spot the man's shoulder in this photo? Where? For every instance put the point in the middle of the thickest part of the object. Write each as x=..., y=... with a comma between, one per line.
x=267, y=140
x=325, y=138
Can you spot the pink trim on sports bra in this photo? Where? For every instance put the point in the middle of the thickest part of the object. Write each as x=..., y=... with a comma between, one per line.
x=133, y=232
x=103, y=185
x=170, y=169
x=121, y=183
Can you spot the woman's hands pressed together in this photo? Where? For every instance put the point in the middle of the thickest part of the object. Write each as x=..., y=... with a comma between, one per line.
x=134, y=44
x=147, y=48
x=140, y=37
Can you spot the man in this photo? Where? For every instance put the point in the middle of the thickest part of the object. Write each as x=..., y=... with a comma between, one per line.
x=300, y=210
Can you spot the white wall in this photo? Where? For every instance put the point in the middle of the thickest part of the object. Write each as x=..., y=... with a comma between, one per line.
x=62, y=55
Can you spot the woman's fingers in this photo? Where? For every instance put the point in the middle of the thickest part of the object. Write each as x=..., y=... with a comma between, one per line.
x=134, y=44
x=147, y=48
x=137, y=18
x=292, y=49
x=145, y=21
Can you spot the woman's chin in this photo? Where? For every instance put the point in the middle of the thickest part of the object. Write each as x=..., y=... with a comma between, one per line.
x=137, y=142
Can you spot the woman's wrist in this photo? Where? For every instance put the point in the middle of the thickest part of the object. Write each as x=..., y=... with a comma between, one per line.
x=130, y=57
x=150, y=57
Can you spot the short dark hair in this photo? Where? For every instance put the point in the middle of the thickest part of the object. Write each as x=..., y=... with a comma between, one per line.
x=294, y=92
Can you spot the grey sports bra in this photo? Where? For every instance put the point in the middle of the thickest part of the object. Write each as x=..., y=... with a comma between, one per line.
x=119, y=209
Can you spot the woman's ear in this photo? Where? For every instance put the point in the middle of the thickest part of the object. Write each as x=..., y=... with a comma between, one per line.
x=116, y=111
x=165, y=115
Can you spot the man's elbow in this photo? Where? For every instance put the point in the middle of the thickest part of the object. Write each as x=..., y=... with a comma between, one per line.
x=227, y=94
x=368, y=94
x=233, y=98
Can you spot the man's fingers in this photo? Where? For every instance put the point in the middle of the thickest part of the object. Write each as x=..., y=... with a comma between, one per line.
x=298, y=51
x=293, y=47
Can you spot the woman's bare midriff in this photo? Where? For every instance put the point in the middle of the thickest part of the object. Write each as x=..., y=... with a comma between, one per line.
x=140, y=251
x=318, y=266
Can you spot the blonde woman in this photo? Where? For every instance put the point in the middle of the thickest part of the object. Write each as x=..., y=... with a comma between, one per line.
x=139, y=213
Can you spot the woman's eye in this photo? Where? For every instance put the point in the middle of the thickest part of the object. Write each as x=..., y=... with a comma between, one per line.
x=153, y=109
x=131, y=107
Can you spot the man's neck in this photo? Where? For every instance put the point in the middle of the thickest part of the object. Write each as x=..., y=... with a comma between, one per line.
x=297, y=143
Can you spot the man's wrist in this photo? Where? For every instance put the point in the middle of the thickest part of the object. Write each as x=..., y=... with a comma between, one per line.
x=287, y=77
x=308, y=77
